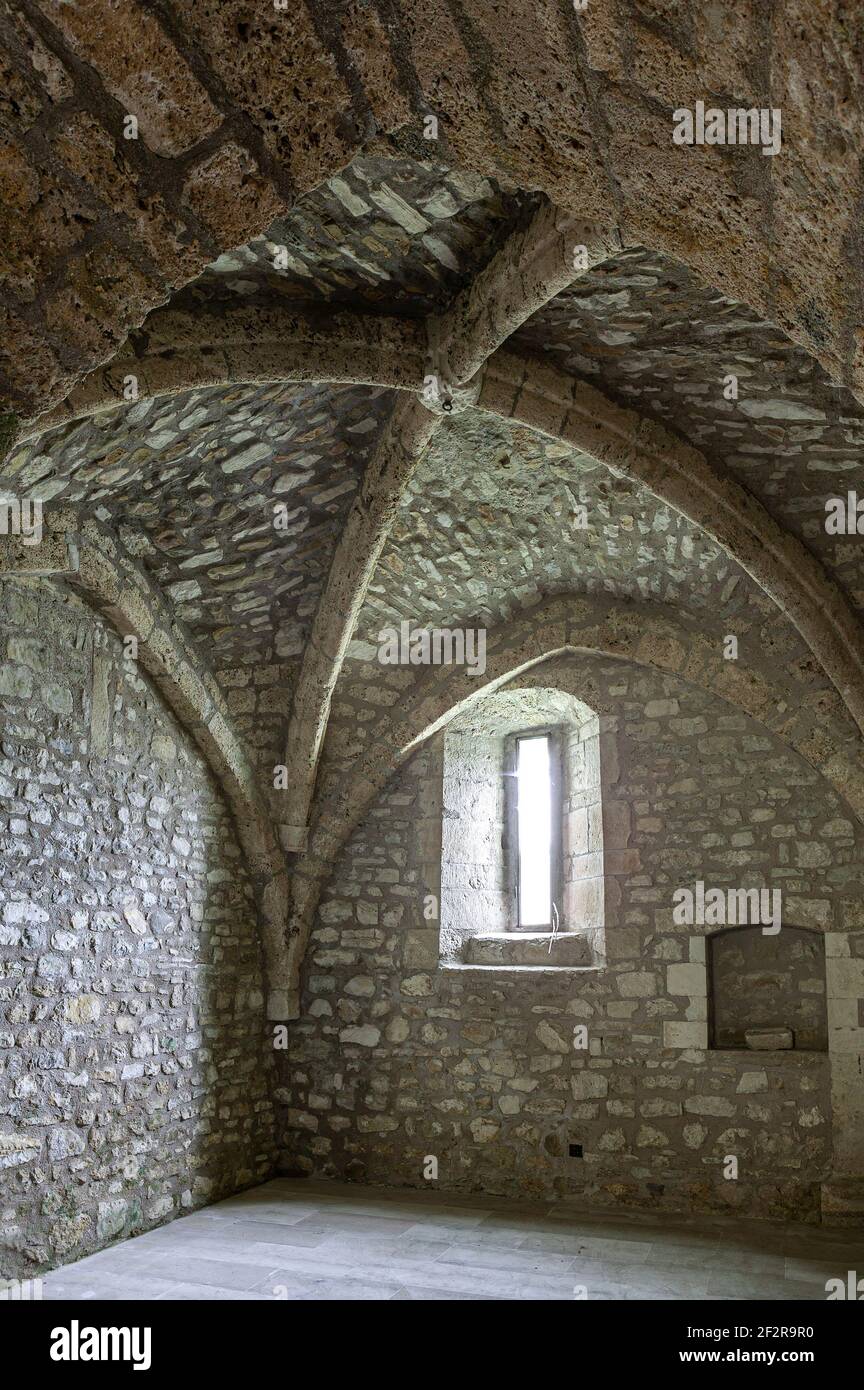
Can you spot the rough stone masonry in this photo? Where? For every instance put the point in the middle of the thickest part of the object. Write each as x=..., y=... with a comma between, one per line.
x=397, y=1059
x=322, y=320
x=134, y=1080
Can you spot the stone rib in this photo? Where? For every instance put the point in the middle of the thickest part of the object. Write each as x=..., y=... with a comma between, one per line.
x=180, y=351
x=406, y=435
x=681, y=476
x=530, y=268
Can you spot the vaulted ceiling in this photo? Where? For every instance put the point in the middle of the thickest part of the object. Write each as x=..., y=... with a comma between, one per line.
x=282, y=260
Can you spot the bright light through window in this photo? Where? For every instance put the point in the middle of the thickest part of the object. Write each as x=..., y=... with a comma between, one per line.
x=535, y=832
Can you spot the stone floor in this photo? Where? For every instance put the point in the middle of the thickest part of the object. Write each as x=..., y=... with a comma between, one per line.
x=308, y=1240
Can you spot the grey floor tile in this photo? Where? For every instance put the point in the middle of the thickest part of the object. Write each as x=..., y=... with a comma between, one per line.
x=253, y=1231
x=294, y=1240
x=420, y=1295
x=104, y=1288
x=405, y=1247
x=206, y=1293
x=190, y=1269
x=591, y=1247
x=369, y=1226
x=818, y=1271
x=327, y=1288
x=515, y=1261
x=761, y=1287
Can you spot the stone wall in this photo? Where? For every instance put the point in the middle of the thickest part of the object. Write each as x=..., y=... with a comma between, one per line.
x=584, y=880
x=134, y=1074
x=396, y=1058
x=474, y=890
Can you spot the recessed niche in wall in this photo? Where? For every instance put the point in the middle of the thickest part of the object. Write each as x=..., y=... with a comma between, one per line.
x=767, y=991
x=481, y=923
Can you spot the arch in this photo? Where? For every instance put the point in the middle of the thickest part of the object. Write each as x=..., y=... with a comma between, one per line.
x=181, y=350
x=646, y=635
x=565, y=408
x=517, y=387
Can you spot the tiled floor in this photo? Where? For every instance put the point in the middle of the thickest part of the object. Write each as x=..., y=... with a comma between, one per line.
x=304, y=1240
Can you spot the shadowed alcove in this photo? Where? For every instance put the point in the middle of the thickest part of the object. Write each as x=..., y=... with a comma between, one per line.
x=767, y=991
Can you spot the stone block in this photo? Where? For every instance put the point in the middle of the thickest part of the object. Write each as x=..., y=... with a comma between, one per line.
x=769, y=1039
x=845, y=978
x=687, y=979
x=637, y=984
x=141, y=69
x=685, y=1035
x=846, y=1040
x=589, y=1085
x=420, y=950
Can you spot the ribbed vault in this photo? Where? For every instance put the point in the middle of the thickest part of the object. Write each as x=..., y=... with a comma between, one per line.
x=320, y=386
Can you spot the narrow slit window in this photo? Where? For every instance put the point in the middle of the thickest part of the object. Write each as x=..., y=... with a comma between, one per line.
x=534, y=830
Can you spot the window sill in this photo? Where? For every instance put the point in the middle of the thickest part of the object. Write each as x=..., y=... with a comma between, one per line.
x=468, y=968
x=529, y=951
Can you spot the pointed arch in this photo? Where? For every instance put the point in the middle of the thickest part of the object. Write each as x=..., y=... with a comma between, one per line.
x=690, y=648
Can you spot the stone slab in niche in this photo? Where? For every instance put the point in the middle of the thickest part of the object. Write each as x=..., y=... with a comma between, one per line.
x=769, y=1039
